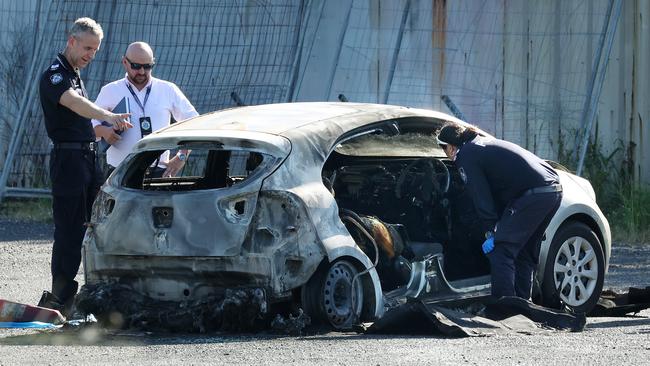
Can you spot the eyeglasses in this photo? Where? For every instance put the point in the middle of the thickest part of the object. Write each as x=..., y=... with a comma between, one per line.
x=137, y=66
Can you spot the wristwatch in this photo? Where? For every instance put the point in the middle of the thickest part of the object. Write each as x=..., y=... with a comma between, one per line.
x=182, y=156
x=489, y=234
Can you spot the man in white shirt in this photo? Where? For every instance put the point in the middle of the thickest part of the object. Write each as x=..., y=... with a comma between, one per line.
x=153, y=102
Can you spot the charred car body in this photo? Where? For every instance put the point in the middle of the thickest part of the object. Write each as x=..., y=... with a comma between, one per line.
x=337, y=208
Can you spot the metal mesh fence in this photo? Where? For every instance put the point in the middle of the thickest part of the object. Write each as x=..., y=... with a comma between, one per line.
x=517, y=68
x=209, y=49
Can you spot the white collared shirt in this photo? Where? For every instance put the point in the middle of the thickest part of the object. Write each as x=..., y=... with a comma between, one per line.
x=165, y=100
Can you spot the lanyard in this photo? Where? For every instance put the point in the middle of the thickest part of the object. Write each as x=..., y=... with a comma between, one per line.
x=137, y=100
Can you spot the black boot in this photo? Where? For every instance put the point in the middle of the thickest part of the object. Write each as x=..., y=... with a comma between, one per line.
x=64, y=289
x=50, y=301
x=62, y=296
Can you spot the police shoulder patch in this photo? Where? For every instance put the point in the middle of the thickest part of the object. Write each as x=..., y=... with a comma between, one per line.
x=463, y=176
x=56, y=78
x=54, y=66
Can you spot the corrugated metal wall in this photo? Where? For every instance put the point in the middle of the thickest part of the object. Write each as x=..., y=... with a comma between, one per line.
x=624, y=109
x=516, y=68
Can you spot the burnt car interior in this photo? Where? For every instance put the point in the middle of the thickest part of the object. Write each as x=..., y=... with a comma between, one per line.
x=395, y=183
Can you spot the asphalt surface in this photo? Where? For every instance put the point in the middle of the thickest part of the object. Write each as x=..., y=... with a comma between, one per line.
x=24, y=273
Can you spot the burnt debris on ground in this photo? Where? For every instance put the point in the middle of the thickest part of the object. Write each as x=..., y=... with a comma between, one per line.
x=246, y=310
x=118, y=306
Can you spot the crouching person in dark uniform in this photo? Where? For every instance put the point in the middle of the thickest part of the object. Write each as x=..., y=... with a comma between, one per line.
x=74, y=170
x=515, y=194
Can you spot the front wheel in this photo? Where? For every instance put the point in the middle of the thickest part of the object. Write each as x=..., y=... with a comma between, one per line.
x=575, y=269
x=332, y=296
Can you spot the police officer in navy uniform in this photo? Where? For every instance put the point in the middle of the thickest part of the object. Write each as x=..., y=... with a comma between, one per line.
x=515, y=194
x=74, y=170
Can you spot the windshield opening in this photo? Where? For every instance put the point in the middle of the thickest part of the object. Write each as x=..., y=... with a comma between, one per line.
x=403, y=145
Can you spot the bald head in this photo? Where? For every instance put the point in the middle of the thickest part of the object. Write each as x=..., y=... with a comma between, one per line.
x=138, y=57
x=140, y=52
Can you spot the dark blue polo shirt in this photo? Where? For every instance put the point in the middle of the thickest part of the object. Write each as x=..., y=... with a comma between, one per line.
x=61, y=123
x=496, y=172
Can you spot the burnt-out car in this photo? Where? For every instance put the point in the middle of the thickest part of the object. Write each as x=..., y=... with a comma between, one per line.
x=336, y=208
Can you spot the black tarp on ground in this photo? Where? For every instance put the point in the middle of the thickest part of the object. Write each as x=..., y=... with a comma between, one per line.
x=616, y=304
x=508, y=314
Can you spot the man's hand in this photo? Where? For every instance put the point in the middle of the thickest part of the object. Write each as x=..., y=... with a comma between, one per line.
x=83, y=107
x=120, y=121
x=488, y=245
x=174, y=165
x=108, y=134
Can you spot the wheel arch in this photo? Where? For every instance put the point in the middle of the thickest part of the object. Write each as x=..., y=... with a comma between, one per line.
x=602, y=233
x=373, y=307
x=550, y=294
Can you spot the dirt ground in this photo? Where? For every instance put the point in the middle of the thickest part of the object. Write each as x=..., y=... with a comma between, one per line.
x=24, y=273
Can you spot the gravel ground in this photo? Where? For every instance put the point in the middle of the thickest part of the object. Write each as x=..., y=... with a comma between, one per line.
x=24, y=273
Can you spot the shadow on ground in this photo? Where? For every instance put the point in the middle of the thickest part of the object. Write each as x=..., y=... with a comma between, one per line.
x=13, y=230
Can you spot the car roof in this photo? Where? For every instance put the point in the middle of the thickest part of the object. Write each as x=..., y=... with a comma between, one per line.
x=287, y=119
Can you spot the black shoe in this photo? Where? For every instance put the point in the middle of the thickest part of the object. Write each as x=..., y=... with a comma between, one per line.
x=64, y=289
x=580, y=322
x=50, y=301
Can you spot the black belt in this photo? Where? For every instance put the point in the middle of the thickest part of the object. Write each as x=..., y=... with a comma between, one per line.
x=545, y=189
x=90, y=146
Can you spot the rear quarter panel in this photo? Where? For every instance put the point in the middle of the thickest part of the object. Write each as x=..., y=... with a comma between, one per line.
x=576, y=203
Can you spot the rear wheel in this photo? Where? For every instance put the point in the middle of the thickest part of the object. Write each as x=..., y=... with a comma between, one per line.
x=332, y=296
x=575, y=269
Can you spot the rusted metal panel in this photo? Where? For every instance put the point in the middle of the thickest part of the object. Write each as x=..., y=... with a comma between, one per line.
x=439, y=38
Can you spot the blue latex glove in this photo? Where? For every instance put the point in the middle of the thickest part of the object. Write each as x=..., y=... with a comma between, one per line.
x=488, y=245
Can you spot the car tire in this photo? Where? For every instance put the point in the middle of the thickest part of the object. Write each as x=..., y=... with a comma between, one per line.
x=332, y=296
x=575, y=269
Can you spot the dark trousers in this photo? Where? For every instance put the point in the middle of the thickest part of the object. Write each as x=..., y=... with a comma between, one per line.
x=517, y=243
x=76, y=179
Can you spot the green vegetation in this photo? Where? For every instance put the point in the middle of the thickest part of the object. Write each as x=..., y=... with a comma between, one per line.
x=28, y=209
x=625, y=203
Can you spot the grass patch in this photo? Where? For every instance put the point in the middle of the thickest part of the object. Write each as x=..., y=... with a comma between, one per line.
x=27, y=209
x=625, y=203
x=631, y=219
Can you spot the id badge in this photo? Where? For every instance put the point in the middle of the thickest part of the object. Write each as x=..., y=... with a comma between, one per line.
x=145, y=126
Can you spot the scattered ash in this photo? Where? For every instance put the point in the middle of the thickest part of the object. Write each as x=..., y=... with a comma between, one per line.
x=238, y=310
x=291, y=325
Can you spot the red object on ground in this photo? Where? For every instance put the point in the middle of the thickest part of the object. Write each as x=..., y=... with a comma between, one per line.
x=15, y=312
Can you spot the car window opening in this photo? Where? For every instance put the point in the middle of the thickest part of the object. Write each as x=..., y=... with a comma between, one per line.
x=204, y=169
